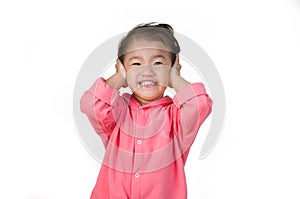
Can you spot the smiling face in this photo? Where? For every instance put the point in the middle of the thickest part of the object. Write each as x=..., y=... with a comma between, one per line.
x=148, y=64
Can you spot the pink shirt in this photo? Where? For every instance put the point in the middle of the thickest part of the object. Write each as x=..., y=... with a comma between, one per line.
x=146, y=146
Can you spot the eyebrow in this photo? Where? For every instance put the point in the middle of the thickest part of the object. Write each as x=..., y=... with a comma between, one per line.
x=159, y=56
x=134, y=57
x=155, y=56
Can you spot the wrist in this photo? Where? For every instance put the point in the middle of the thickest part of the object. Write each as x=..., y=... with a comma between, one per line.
x=179, y=82
x=117, y=81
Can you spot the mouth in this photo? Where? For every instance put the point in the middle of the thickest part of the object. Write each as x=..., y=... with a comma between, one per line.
x=147, y=83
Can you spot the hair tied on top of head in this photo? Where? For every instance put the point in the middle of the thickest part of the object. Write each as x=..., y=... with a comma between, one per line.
x=152, y=31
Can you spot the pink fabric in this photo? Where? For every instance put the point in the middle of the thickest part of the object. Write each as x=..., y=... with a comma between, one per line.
x=146, y=146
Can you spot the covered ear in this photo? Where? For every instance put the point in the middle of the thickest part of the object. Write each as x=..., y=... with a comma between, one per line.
x=176, y=61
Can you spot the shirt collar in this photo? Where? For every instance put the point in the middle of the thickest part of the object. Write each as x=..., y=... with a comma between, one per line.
x=166, y=100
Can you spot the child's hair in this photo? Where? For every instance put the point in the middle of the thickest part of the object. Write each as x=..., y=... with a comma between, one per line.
x=154, y=32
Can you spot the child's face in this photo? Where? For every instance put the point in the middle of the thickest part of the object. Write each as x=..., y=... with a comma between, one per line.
x=147, y=65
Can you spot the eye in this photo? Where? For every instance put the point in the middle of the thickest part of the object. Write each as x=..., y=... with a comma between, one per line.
x=157, y=63
x=136, y=64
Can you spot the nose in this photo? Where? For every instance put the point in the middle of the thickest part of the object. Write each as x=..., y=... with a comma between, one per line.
x=148, y=70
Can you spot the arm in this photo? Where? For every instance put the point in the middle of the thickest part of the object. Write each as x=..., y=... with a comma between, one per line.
x=118, y=79
x=98, y=104
x=176, y=81
x=192, y=106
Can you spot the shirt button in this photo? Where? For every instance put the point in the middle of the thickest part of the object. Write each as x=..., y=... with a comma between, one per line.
x=141, y=111
x=139, y=141
x=137, y=175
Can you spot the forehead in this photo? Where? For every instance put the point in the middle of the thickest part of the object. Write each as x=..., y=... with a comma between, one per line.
x=142, y=48
x=139, y=44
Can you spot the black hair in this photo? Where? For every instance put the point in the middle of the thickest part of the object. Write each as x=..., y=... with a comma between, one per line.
x=154, y=32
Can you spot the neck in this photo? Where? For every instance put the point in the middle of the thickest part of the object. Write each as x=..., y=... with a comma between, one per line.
x=144, y=101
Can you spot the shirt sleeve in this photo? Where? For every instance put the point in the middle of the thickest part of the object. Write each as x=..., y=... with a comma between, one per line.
x=192, y=106
x=102, y=105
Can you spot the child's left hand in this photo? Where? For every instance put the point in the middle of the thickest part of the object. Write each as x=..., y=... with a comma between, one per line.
x=174, y=72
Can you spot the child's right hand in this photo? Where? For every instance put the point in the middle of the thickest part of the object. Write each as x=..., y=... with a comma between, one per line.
x=121, y=71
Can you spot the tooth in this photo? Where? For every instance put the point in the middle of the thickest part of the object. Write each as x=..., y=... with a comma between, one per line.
x=143, y=83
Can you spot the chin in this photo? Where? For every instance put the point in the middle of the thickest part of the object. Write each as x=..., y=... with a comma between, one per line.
x=151, y=98
x=148, y=98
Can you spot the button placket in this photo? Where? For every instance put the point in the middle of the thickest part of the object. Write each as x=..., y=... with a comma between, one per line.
x=141, y=111
x=141, y=117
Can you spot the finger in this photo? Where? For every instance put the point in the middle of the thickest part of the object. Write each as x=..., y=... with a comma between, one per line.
x=121, y=64
x=117, y=63
x=176, y=61
x=177, y=58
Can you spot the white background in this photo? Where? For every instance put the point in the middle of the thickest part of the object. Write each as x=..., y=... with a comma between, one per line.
x=255, y=46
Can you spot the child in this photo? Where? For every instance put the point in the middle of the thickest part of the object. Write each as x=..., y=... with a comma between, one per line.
x=147, y=136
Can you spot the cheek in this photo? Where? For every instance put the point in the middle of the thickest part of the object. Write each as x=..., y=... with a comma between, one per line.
x=130, y=76
x=162, y=74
